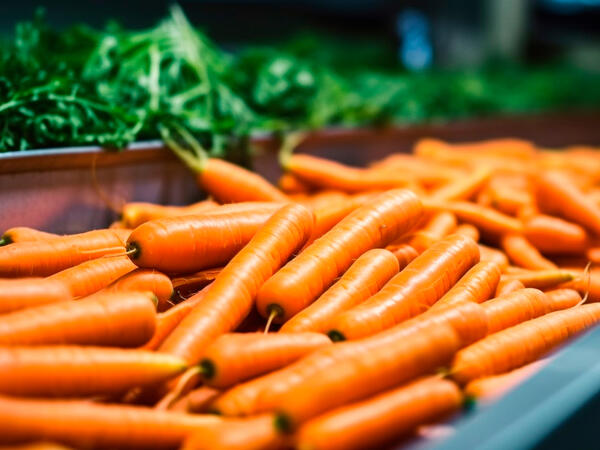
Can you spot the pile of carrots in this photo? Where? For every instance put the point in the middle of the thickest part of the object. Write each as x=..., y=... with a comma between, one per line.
x=345, y=309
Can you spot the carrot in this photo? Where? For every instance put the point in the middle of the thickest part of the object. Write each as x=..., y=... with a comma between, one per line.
x=365, y=277
x=477, y=285
x=426, y=172
x=118, y=319
x=468, y=230
x=41, y=258
x=146, y=280
x=350, y=371
x=563, y=298
x=542, y=279
x=516, y=307
x=557, y=194
x=424, y=281
x=439, y=226
x=191, y=243
x=79, y=371
x=232, y=294
x=585, y=284
x=522, y=253
x=505, y=350
x=118, y=225
x=489, y=389
x=84, y=424
x=404, y=253
x=168, y=320
x=593, y=254
x=307, y=276
x=382, y=419
x=493, y=255
x=507, y=285
x=463, y=188
x=487, y=220
x=24, y=234
x=326, y=174
x=28, y=292
x=552, y=235
x=37, y=446
x=253, y=433
x=136, y=213
x=196, y=401
x=290, y=184
x=236, y=357
x=91, y=276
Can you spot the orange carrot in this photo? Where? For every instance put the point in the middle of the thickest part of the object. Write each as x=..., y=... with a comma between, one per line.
x=79, y=371
x=463, y=188
x=232, y=294
x=493, y=255
x=563, y=298
x=168, y=320
x=365, y=277
x=426, y=172
x=191, y=243
x=196, y=401
x=424, y=281
x=136, y=213
x=308, y=275
x=84, y=424
x=516, y=307
x=477, y=285
x=468, y=230
x=91, y=276
x=507, y=285
x=326, y=174
x=41, y=258
x=24, y=234
x=542, y=279
x=487, y=220
x=290, y=184
x=404, y=253
x=489, y=389
x=255, y=433
x=118, y=319
x=329, y=377
x=146, y=280
x=439, y=226
x=520, y=251
x=557, y=194
x=553, y=235
x=236, y=357
x=504, y=351
x=584, y=284
x=28, y=292
x=382, y=419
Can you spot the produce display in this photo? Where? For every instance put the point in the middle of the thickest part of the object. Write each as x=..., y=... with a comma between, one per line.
x=345, y=309
x=110, y=87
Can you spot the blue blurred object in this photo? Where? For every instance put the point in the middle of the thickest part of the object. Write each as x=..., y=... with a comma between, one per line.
x=415, y=50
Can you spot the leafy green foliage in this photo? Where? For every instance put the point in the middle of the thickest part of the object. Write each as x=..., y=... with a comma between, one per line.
x=111, y=87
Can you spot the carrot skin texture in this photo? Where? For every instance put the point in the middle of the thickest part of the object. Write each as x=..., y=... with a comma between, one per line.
x=236, y=357
x=146, y=280
x=440, y=225
x=383, y=418
x=514, y=308
x=307, y=276
x=542, y=279
x=491, y=254
x=21, y=293
x=24, y=234
x=84, y=424
x=424, y=281
x=563, y=298
x=116, y=319
x=136, y=213
x=404, y=253
x=504, y=351
x=42, y=258
x=523, y=254
x=232, y=294
x=551, y=235
x=365, y=277
x=66, y=371
x=385, y=361
x=195, y=242
x=557, y=194
x=477, y=285
x=506, y=286
x=196, y=401
x=463, y=188
x=229, y=183
x=255, y=433
x=91, y=276
x=466, y=229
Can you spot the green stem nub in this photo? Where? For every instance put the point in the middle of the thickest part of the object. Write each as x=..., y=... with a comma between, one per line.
x=5, y=240
x=283, y=423
x=207, y=368
x=336, y=336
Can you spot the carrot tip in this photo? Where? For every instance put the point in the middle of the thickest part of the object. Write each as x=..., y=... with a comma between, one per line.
x=207, y=369
x=336, y=336
x=283, y=423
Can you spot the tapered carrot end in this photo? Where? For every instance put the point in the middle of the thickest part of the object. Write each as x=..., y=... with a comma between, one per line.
x=336, y=336
x=283, y=423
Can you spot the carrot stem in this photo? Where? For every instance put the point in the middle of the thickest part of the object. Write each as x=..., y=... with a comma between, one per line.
x=275, y=311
